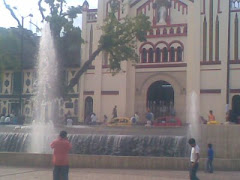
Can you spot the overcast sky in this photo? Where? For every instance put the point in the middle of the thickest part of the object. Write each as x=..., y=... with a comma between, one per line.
x=25, y=7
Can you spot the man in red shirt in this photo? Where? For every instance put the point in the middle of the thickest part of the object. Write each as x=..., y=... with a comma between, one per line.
x=61, y=147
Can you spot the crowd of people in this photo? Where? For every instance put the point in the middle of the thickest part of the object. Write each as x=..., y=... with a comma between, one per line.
x=8, y=119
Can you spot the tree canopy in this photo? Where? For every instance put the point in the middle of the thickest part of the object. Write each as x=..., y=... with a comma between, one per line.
x=118, y=40
x=10, y=48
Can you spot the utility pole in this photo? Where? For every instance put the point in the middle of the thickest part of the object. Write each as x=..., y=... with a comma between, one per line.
x=21, y=63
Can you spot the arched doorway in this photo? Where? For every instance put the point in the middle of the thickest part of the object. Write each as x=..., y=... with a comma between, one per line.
x=235, y=108
x=160, y=99
x=88, y=107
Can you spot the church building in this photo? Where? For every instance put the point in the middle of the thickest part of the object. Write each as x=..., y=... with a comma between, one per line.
x=190, y=61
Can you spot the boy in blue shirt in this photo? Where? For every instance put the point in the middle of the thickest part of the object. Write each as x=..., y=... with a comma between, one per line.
x=210, y=159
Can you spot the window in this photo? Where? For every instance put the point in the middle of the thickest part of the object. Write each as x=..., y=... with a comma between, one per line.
x=179, y=54
x=172, y=54
x=165, y=55
x=144, y=55
x=158, y=55
x=150, y=55
x=235, y=4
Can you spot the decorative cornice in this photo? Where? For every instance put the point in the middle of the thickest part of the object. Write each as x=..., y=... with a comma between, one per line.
x=234, y=90
x=210, y=91
x=110, y=92
x=88, y=93
x=161, y=65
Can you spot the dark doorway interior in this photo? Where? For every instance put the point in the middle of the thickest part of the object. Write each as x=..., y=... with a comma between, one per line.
x=15, y=108
x=235, y=113
x=160, y=99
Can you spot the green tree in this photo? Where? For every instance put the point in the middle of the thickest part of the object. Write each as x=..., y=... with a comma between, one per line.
x=118, y=40
x=10, y=49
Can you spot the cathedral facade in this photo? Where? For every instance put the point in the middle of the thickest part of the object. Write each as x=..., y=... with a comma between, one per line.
x=190, y=61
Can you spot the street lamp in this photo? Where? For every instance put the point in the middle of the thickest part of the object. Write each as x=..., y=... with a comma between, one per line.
x=21, y=63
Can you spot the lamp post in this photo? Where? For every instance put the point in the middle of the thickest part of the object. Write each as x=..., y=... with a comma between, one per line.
x=21, y=63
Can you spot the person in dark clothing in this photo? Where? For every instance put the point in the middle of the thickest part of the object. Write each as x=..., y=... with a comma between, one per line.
x=114, y=113
x=210, y=159
x=61, y=147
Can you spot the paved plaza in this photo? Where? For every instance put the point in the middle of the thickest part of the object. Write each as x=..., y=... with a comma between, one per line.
x=12, y=173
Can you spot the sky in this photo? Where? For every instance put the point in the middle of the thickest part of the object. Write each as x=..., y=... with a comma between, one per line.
x=25, y=7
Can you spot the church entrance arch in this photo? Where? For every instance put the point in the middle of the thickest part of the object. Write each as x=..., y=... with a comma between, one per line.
x=88, y=107
x=160, y=98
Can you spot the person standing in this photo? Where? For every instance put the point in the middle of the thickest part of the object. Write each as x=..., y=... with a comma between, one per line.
x=137, y=117
x=69, y=121
x=210, y=159
x=93, y=119
x=61, y=148
x=149, y=117
x=114, y=113
x=194, y=159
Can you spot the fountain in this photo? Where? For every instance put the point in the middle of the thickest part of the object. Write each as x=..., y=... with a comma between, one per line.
x=44, y=99
x=193, y=116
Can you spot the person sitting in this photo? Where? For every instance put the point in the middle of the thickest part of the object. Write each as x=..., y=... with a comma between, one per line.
x=211, y=118
x=133, y=120
x=2, y=119
x=7, y=120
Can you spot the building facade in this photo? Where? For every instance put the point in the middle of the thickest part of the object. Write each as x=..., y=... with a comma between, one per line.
x=190, y=58
x=10, y=97
x=190, y=62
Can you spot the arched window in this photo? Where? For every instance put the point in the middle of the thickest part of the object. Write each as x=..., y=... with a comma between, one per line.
x=88, y=107
x=179, y=54
x=172, y=54
x=150, y=55
x=164, y=31
x=165, y=55
x=144, y=55
x=158, y=32
x=178, y=30
x=151, y=32
x=158, y=55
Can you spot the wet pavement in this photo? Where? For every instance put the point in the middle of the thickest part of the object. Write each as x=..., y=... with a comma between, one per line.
x=15, y=173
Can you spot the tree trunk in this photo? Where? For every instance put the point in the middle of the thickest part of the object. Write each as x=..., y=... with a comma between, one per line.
x=84, y=68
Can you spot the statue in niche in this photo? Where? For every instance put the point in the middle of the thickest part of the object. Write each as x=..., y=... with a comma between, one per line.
x=162, y=7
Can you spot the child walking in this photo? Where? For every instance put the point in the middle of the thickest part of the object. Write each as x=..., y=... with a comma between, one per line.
x=210, y=159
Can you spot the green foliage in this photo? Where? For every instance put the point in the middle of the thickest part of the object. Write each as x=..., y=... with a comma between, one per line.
x=10, y=48
x=120, y=37
x=67, y=37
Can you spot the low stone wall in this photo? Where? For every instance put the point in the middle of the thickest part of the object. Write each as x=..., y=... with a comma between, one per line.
x=225, y=140
x=118, y=162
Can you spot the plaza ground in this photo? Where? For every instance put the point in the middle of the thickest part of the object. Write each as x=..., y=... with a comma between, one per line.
x=15, y=173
